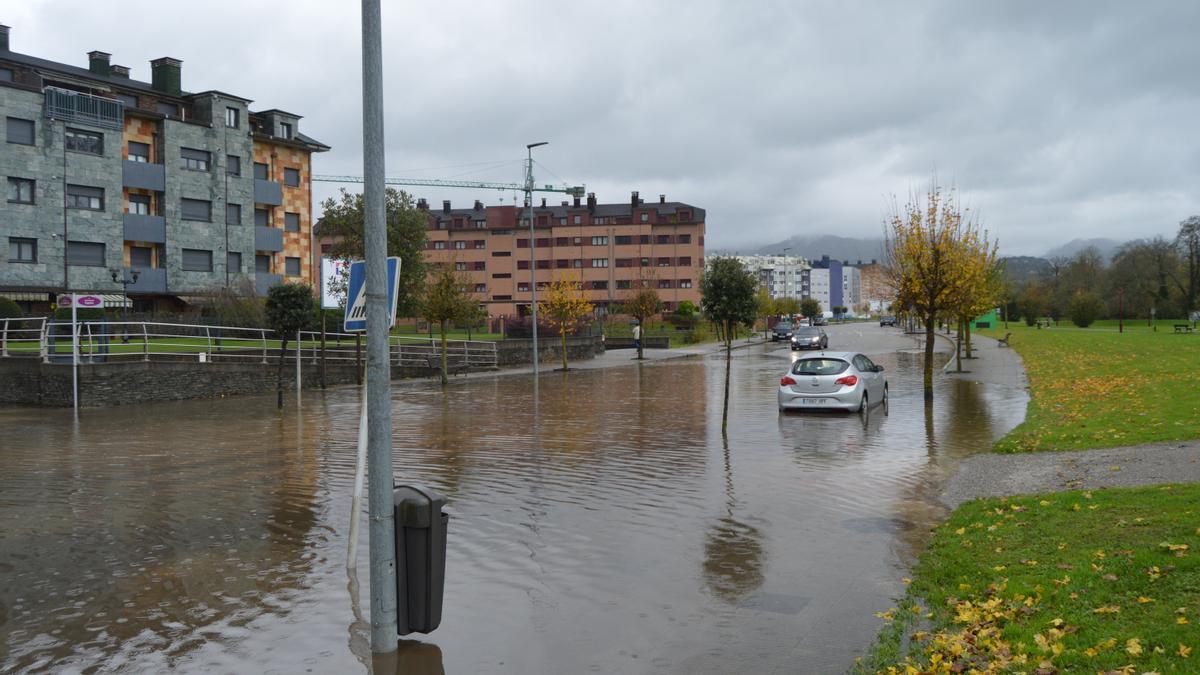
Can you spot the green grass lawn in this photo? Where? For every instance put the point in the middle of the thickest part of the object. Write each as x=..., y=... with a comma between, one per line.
x=1101, y=581
x=1096, y=388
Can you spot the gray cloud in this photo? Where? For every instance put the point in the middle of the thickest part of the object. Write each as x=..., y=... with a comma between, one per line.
x=1056, y=120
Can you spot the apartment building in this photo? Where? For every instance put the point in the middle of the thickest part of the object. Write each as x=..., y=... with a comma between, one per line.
x=782, y=276
x=613, y=249
x=118, y=185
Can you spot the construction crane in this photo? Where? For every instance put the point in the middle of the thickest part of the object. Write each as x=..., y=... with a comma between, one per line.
x=573, y=190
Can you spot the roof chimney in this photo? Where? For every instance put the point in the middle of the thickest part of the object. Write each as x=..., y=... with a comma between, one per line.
x=633, y=199
x=543, y=202
x=119, y=71
x=591, y=202
x=422, y=204
x=165, y=75
x=478, y=205
x=98, y=62
x=576, y=201
x=662, y=199
x=3, y=37
x=445, y=206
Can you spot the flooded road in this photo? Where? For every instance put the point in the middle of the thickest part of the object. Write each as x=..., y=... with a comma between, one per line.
x=602, y=526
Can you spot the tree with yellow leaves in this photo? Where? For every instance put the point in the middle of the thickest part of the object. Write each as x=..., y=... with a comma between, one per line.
x=564, y=307
x=934, y=257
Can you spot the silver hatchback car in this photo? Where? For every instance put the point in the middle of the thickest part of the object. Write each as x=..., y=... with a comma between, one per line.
x=833, y=381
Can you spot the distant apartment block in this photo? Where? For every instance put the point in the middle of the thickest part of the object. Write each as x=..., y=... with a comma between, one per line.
x=782, y=276
x=613, y=249
x=106, y=174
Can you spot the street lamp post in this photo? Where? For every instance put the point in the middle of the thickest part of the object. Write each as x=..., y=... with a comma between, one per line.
x=532, y=250
x=124, y=277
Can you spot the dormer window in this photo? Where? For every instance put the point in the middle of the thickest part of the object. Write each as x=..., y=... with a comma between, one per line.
x=285, y=130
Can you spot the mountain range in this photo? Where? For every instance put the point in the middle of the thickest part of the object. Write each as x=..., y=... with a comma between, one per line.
x=813, y=247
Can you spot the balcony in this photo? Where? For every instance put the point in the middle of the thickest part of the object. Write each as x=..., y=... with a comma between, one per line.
x=149, y=280
x=263, y=282
x=80, y=108
x=267, y=192
x=144, y=176
x=268, y=239
x=145, y=228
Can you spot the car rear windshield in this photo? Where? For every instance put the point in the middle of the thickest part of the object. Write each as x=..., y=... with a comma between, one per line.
x=819, y=367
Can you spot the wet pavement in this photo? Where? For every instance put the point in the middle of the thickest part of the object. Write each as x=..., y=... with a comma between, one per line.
x=600, y=522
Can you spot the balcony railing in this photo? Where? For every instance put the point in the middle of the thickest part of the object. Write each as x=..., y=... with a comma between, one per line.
x=72, y=106
x=145, y=228
x=268, y=239
x=143, y=175
x=267, y=192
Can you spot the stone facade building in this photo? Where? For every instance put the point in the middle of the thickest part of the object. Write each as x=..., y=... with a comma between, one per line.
x=108, y=176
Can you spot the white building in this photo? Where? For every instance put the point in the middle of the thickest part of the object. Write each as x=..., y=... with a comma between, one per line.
x=782, y=276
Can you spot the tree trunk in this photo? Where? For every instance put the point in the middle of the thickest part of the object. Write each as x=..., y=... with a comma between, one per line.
x=968, y=340
x=728, y=356
x=958, y=339
x=930, y=325
x=444, y=349
x=641, y=329
x=562, y=334
x=279, y=375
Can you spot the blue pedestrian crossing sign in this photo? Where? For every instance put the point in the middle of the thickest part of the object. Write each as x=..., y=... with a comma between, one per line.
x=355, y=320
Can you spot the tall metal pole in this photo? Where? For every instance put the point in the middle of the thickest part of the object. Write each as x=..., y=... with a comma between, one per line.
x=379, y=385
x=532, y=250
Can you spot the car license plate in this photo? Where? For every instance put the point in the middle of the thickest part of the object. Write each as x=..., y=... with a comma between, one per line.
x=813, y=401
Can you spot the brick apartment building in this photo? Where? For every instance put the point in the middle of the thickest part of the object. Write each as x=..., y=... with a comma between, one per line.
x=611, y=248
x=106, y=174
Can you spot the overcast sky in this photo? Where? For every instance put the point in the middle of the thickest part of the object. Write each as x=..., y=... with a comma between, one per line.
x=1056, y=120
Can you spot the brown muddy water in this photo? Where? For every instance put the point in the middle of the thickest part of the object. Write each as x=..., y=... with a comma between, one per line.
x=603, y=527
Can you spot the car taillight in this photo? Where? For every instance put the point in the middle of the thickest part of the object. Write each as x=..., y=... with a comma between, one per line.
x=849, y=380
x=786, y=381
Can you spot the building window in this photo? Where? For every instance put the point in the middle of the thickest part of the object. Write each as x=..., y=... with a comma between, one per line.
x=599, y=262
x=522, y=286
x=141, y=257
x=22, y=250
x=502, y=297
x=684, y=239
x=480, y=243
x=195, y=209
x=685, y=283
x=6, y=75
x=460, y=267
x=166, y=109
x=88, y=142
x=664, y=283
x=685, y=261
x=20, y=190
x=502, y=275
x=577, y=263
x=644, y=239
x=577, y=220
x=662, y=239
x=522, y=243
x=562, y=220
x=285, y=130
x=139, y=205
x=624, y=262
x=543, y=264
x=481, y=224
x=233, y=165
x=139, y=152
x=460, y=245
x=501, y=254
x=577, y=241
x=664, y=262
x=291, y=267
x=562, y=263
x=196, y=260
x=20, y=131
x=129, y=100
x=600, y=221
x=644, y=262
x=522, y=264
x=479, y=266
x=291, y=222
x=233, y=117
x=262, y=264
x=685, y=215
x=481, y=288
x=85, y=253
x=439, y=245
x=599, y=285
x=645, y=217
x=233, y=262
x=233, y=214
x=196, y=160
x=291, y=177
x=599, y=241
x=561, y=241
x=543, y=242
x=622, y=284
x=261, y=171
x=624, y=240
x=84, y=197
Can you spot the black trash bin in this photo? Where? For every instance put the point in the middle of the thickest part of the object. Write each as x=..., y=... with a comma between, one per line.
x=420, y=558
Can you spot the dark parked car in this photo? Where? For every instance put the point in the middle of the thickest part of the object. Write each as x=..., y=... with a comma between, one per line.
x=818, y=321
x=809, y=337
x=887, y=321
x=781, y=331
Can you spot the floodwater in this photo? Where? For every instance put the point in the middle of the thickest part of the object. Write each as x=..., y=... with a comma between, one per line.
x=604, y=526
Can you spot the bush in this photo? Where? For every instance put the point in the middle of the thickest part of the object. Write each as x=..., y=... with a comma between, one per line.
x=1085, y=307
x=9, y=309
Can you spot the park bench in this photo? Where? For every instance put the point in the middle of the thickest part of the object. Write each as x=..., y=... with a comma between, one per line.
x=1043, y=323
x=455, y=365
x=1183, y=328
x=1003, y=342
